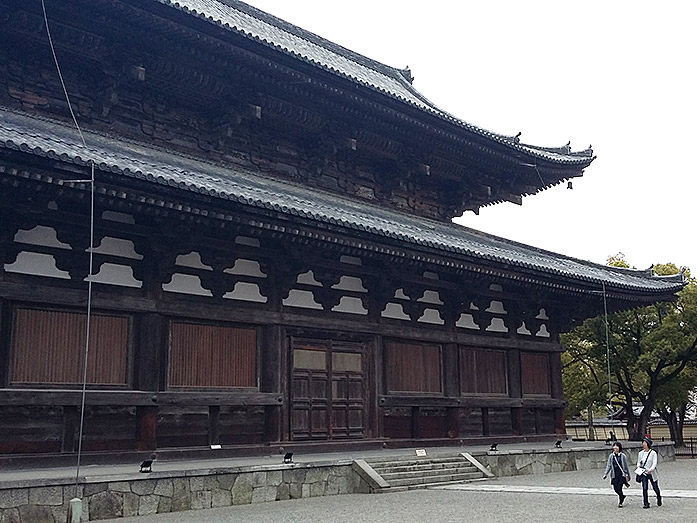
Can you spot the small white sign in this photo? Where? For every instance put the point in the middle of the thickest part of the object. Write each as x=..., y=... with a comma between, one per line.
x=216, y=447
x=421, y=452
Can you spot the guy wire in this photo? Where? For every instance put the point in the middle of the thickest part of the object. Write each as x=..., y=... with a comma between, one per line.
x=91, y=250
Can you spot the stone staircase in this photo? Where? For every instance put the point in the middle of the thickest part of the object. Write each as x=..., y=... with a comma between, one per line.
x=406, y=473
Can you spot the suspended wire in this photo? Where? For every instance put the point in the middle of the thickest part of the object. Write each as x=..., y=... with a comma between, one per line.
x=607, y=349
x=536, y=170
x=91, y=250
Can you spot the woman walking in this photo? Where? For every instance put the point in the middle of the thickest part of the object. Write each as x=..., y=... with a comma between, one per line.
x=647, y=471
x=618, y=467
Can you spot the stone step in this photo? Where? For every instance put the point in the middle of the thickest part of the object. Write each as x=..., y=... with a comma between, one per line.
x=423, y=466
x=393, y=475
x=426, y=471
x=431, y=480
x=437, y=484
x=411, y=459
x=391, y=464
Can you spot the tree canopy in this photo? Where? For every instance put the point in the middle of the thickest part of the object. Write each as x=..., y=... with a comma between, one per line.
x=652, y=353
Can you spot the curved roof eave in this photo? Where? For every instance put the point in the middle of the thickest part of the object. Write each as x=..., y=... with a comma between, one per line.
x=47, y=138
x=272, y=32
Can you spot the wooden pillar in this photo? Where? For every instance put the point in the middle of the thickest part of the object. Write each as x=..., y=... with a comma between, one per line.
x=150, y=361
x=517, y=421
x=273, y=380
x=5, y=329
x=214, y=425
x=451, y=387
x=485, y=421
x=146, y=428
x=556, y=385
x=559, y=421
x=515, y=382
x=453, y=422
x=451, y=368
x=378, y=381
x=416, y=422
x=70, y=422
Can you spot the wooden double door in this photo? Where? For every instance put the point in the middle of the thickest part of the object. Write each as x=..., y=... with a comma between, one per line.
x=328, y=390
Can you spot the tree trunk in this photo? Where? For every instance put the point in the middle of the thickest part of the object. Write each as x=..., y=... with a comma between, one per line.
x=680, y=441
x=634, y=434
x=591, y=430
x=672, y=420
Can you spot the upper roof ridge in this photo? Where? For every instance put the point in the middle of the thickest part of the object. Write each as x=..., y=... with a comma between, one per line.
x=274, y=32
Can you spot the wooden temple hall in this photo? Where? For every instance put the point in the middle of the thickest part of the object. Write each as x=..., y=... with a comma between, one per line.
x=274, y=261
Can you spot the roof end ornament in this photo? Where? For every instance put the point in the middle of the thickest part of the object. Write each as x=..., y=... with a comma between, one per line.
x=406, y=73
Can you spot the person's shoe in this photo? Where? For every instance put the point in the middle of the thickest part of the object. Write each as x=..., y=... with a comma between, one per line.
x=619, y=505
x=647, y=506
x=659, y=501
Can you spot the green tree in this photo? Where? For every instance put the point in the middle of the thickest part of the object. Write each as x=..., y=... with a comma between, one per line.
x=649, y=348
x=585, y=384
x=674, y=400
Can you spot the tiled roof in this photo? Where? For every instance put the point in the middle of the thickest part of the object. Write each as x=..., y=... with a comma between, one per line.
x=47, y=138
x=287, y=38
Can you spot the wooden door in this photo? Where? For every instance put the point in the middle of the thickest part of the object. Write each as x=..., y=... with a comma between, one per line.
x=310, y=399
x=328, y=391
x=348, y=394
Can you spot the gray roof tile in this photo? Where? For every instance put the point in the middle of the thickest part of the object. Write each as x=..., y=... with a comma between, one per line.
x=43, y=137
x=268, y=30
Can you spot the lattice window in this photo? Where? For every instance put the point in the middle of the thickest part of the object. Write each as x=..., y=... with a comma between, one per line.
x=483, y=371
x=212, y=356
x=535, y=373
x=48, y=347
x=413, y=367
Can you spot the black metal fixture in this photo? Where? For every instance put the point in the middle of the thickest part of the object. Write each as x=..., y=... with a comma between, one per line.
x=558, y=444
x=146, y=466
x=494, y=447
x=288, y=457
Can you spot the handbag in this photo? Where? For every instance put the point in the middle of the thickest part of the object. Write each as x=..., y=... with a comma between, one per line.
x=640, y=471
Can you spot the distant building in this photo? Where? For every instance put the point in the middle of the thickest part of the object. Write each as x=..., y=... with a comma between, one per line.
x=274, y=258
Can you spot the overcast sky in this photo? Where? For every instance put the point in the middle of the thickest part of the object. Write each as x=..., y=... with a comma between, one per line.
x=617, y=75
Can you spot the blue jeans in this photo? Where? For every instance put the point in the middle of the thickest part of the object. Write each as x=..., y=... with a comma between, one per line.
x=645, y=487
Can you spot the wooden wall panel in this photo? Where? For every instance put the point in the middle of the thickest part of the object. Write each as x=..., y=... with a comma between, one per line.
x=483, y=371
x=471, y=423
x=397, y=422
x=241, y=425
x=413, y=368
x=500, y=422
x=30, y=429
x=211, y=356
x=109, y=428
x=48, y=347
x=535, y=371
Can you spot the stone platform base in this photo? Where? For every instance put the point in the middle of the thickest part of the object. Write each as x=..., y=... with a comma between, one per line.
x=104, y=497
x=47, y=501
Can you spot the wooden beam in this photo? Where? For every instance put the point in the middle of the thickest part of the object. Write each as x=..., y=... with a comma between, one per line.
x=40, y=397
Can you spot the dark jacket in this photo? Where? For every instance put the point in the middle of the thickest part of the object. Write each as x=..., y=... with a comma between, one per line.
x=624, y=465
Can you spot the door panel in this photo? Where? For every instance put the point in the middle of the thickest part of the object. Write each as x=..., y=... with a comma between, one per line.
x=310, y=394
x=319, y=411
